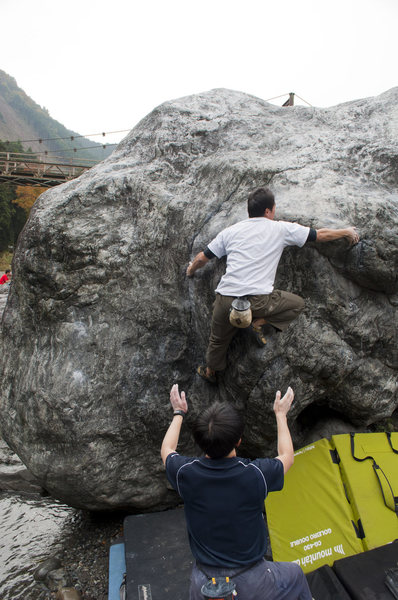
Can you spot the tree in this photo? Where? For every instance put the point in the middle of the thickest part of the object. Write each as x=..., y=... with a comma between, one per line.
x=11, y=147
x=26, y=196
x=15, y=204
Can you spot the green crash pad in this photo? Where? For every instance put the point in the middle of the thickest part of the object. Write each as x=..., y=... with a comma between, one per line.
x=365, y=489
x=310, y=520
x=332, y=505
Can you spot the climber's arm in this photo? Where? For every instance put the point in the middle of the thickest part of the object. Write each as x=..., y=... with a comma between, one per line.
x=199, y=261
x=329, y=235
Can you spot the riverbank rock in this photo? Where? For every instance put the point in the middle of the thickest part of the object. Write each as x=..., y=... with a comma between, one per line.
x=4, y=289
x=101, y=319
x=14, y=476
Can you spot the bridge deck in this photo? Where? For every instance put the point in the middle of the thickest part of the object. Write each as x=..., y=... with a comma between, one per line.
x=26, y=169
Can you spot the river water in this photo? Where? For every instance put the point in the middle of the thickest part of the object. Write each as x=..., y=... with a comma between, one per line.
x=29, y=528
x=35, y=529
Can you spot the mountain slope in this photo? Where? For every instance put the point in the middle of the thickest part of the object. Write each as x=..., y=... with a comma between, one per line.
x=22, y=119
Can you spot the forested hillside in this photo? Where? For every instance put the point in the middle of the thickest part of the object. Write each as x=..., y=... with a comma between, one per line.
x=22, y=119
x=15, y=204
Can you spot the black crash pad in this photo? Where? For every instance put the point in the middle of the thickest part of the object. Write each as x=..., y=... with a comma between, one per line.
x=325, y=585
x=158, y=557
x=363, y=575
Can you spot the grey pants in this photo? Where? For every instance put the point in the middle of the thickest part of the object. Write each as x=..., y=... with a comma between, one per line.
x=265, y=581
x=279, y=309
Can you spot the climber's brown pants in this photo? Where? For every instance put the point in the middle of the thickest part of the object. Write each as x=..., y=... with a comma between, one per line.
x=279, y=309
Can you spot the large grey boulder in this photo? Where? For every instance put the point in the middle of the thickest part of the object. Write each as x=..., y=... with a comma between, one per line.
x=101, y=319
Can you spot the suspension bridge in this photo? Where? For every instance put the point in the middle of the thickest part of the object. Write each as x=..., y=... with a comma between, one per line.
x=27, y=169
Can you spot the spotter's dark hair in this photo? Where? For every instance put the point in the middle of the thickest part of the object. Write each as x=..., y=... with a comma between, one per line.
x=218, y=429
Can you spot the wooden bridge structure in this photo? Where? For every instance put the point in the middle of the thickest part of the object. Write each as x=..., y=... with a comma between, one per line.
x=27, y=169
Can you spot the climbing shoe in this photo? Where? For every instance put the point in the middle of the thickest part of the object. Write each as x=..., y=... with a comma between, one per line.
x=201, y=370
x=258, y=335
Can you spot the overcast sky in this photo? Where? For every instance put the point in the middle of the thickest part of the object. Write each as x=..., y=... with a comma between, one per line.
x=103, y=65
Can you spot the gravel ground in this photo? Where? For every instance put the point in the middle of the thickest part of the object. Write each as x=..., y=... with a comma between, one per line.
x=80, y=561
x=85, y=554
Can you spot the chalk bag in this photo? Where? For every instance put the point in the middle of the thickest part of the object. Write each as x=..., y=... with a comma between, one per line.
x=219, y=588
x=241, y=313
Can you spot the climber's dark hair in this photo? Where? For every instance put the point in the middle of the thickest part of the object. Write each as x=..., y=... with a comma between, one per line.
x=259, y=200
x=218, y=429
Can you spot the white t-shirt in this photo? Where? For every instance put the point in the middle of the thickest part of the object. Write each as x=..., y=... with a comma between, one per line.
x=253, y=248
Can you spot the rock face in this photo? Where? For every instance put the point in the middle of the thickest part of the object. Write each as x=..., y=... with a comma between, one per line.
x=101, y=319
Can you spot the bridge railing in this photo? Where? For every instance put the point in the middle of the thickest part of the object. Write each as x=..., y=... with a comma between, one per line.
x=29, y=169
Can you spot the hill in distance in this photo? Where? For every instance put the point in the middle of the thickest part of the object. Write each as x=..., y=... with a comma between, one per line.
x=22, y=119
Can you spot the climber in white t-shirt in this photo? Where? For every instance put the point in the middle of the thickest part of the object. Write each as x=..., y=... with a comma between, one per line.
x=253, y=248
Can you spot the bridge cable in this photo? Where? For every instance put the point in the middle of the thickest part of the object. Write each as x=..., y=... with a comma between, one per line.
x=69, y=137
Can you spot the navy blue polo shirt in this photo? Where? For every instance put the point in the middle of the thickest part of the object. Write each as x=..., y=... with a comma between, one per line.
x=223, y=503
